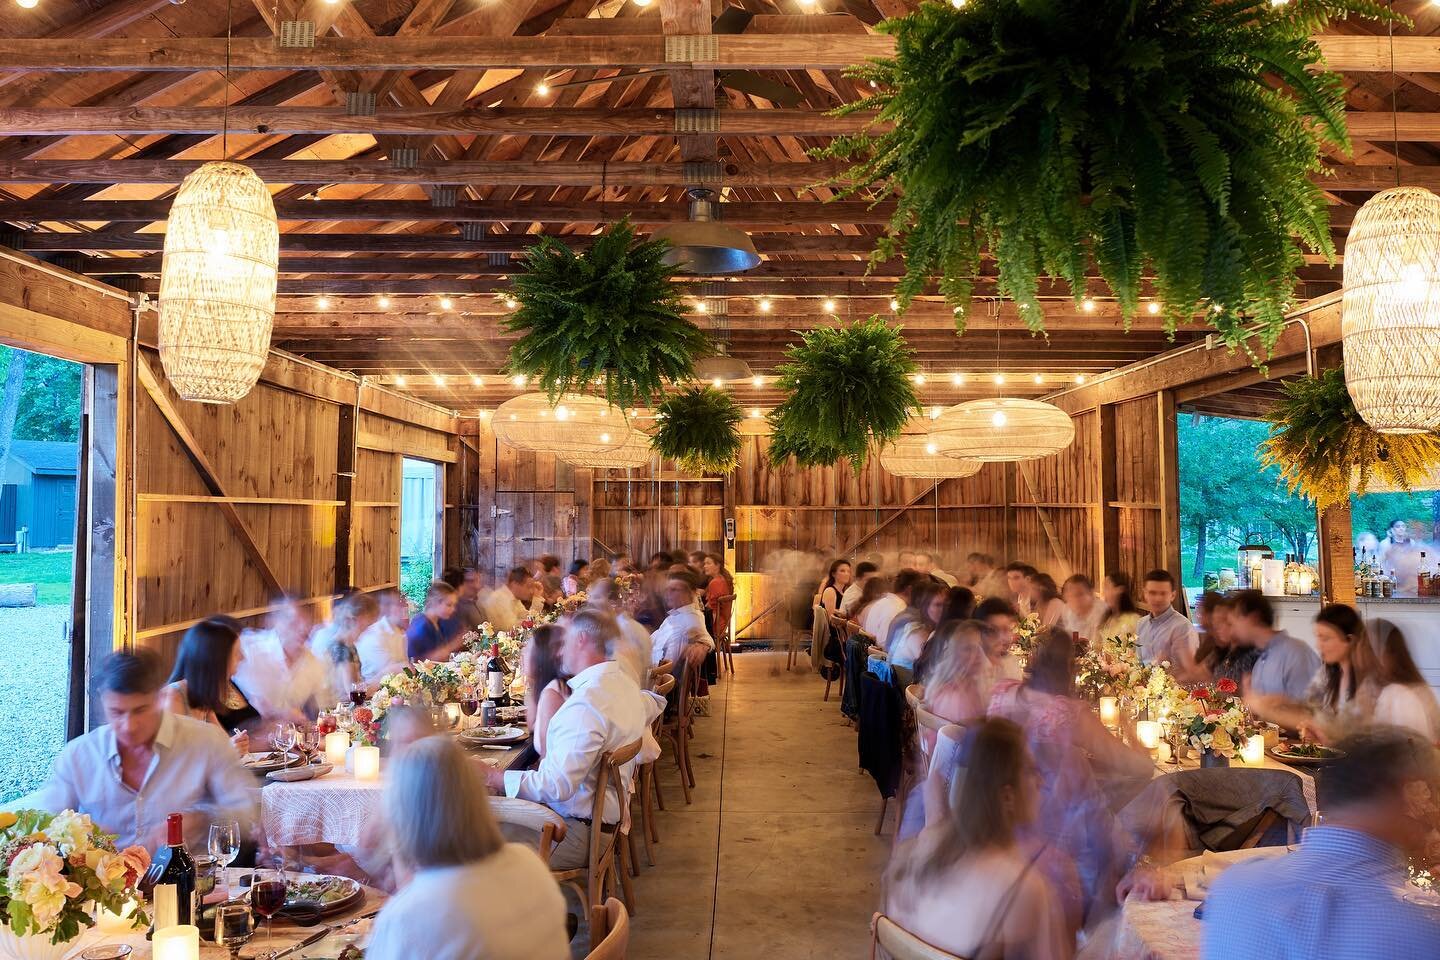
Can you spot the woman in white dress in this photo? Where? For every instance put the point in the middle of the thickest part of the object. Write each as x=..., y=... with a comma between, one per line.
x=1405, y=699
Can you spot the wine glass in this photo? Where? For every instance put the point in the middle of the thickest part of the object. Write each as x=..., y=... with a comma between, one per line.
x=307, y=741
x=224, y=845
x=234, y=926
x=267, y=896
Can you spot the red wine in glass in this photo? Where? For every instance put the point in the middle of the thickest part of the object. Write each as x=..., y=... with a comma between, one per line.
x=469, y=707
x=267, y=897
x=357, y=696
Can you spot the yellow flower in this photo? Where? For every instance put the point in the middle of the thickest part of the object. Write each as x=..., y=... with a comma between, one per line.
x=7, y=819
x=1221, y=740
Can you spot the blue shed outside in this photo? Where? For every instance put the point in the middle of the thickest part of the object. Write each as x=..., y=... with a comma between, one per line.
x=38, y=495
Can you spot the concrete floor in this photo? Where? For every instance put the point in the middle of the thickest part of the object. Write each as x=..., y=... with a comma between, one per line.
x=776, y=857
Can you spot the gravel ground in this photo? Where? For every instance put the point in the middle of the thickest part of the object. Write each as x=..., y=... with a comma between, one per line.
x=34, y=670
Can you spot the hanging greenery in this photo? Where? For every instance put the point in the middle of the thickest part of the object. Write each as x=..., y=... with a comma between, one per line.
x=700, y=429
x=847, y=387
x=1150, y=136
x=612, y=314
x=1324, y=449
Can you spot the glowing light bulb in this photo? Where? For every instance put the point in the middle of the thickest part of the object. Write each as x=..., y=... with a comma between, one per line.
x=518, y=379
x=931, y=448
x=383, y=303
x=874, y=85
x=700, y=306
x=999, y=379
x=958, y=379
x=477, y=381
x=1218, y=308
x=765, y=305
x=1087, y=305
x=642, y=3
x=935, y=413
x=439, y=380
x=604, y=413
x=718, y=383
x=27, y=4
x=399, y=380
x=486, y=414
x=828, y=306
x=894, y=304
x=1079, y=378
x=604, y=438
x=957, y=4
x=997, y=419
x=446, y=303
x=543, y=89
x=919, y=379
x=754, y=413
x=511, y=303
x=323, y=303
x=757, y=381
x=562, y=412
x=1039, y=378
x=1153, y=307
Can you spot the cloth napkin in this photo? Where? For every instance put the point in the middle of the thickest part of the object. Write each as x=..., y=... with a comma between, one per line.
x=1198, y=873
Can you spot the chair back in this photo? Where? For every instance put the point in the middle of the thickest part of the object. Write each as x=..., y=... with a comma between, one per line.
x=614, y=922
x=661, y=669
x=915, y=695
x=900, y=944
x=723, y=607
x=819, y=635
x=611, y=779
x=925, y=720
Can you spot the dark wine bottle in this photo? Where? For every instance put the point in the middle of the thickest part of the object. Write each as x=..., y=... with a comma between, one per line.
x=172, y=881
x=495, y=688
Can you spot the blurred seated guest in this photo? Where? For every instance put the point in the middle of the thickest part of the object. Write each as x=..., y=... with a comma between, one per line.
x=959, y=604
x=659, y=562
x=577, y=578
x=1220, y=655
x=425, y=640
x=145, y=763
x=506, y=606
x=1084, y=613
x=551, y=593
x=1075, y=754
x=1045, y=599
x=1406, y=698
x=1121, y=613
x=1285, y=666
x=1017, y=586
x=1000, y=616
x=909, y=636
x=876, y=588
x=832, y=591
x=455, y=851
x=682, y=635
x=604, y=712
x=850, y=599
x=336, y=644
x=1341, y=894
x=545, y=686
x=965, y=884
x=202, y=684
x=469, y=584
x=278, y=674
x=952, y=685
x=548, y=565
x=382, y=646
x=635, y=650
x=1165, y=634
x=695, y=560
x=719, y=593
x=925, y=563
x=600, y=569
x=880, y=616
x=985, y=579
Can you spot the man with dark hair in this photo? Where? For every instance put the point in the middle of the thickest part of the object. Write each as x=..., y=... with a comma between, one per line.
x=985, y=580
x=1165, y=634
x=1017, y=585
x=1340, y=895
x=850, y=599
x=506, y=606
x=145, y=763
x=1000, y=618
x=660, y=561
x=682, y=634
x=1285, y=666
x=881, y=614
x=468, y=583
x=548, y=565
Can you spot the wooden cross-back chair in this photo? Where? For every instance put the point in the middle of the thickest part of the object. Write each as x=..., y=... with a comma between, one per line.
x=724, y=654
x=900, y=944
x=612, y=924
x=677, y=723
x=650, y=795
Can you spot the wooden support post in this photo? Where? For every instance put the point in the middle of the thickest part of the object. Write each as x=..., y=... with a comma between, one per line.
x=485, y=456
x=1106, y=519
x=346, y=456
x=98, y=624
x=1337, y=559
x=1169, y=469
x=582, y=540
x=1012, y=536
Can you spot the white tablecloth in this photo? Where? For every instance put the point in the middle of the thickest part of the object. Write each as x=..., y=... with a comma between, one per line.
x=336, y=808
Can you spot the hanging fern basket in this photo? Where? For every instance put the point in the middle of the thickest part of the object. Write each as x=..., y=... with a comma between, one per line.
x=699, y=428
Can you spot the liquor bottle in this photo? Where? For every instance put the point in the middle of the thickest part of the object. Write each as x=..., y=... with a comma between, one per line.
x=172, y=881
x=495, y=676
x=1422, y=578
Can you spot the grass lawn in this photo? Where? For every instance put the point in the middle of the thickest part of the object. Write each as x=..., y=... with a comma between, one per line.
x=50, y=572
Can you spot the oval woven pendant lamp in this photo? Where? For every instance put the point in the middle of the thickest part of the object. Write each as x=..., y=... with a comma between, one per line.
x=217, y=283
x=634, y=452
x=1391, y=319
x=921, y=455
x=1002, y=429
x=575, y=426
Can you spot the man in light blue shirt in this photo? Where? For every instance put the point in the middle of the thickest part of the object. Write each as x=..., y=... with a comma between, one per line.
x=1165, y=634
x=1340, y=896
x=1285, y=666
x=145, y=764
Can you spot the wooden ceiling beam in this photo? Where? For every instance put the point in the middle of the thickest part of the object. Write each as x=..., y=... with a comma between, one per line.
x=1376, y=53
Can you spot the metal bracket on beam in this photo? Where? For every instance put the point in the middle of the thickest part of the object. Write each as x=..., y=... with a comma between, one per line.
x=405, y=157
x=443, y=195
x=697, y=120
x=360, y=103
x=472, y=231
x=692, y=48
x=296, y=33
x=703, y=172
x=499, y=260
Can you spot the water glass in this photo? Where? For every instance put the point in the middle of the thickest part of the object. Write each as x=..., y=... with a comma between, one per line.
x=234, y=926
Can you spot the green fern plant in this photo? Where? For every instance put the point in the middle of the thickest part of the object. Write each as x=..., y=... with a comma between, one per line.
x=612, y=314
x=1166, y=138
x=1325, y=449
x=699, y=428
x=846, y=388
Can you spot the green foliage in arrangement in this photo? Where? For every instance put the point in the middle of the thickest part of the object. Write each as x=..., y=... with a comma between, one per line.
x=1149, y=136
x=846, y=388
x=610, y=314
x=700, y=429
x=1324, y=449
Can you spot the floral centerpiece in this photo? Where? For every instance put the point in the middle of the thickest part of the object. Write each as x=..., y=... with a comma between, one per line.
x=1027, y=634
x=1211, y=718
x=59, y=870
x=1114, y=668
x=573, y=602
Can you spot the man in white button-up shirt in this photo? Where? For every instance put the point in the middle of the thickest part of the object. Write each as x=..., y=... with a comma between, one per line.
x=145, y=764
x=683, y=633
x=507, y=605
x=634, y=652
x=382, y=646
x=605, y=711
x=279, y=675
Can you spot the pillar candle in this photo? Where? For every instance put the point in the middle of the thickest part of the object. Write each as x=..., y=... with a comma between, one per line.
x=1254, y=749
x=452, y=713
x=176, y=943
x=122, y=922
x=1148, y=733
x=1163, y=753
x=367, y=763
x=335, y=746
x=1109, y=711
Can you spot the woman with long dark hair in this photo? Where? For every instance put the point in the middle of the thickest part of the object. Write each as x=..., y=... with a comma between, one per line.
x=1123, y=616
x=202, y=683
x=1406, y=699
x=546, y=686
x=838, y=578
x=1045, y=598
x=927, y=603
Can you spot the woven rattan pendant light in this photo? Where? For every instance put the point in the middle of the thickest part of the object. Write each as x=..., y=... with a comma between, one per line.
x=634, y=452
x=217, y=279
x=921, y=455
x=576, y=426
x=1001, y=429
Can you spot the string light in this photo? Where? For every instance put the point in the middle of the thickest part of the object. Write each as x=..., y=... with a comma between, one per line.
x=828, y=306
x=754, y=413
x=919, y=379
x=757, y=381
x=399, y=380
x=718, y=383
x=439, y=380
x=1087, y=305
x=604, y=438
x=519, y=379
x=958, y=379
x=1153, y=307
x=27, y=4
x=935, y=413
x=446, y=303
x=485, y=414
x=765, y=305
x=999, y=379
x=1217, y=308
x=700, y=306
x=894, y=304
x=997, y=419
x=1039, y=378
x=642, y=3
x=383, y=303
x=932, y=448
x=323, y=303
x=542, y=88
x=957, y=4
x=511, y=303
x=1079, y=378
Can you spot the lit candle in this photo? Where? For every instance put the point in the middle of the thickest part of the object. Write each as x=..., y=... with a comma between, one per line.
x=1109, y=711
x=367, y=763
x=1163, y=752
x=1254, y=749
x=1148, y=733
x=452, y=713
x=122, y=922
x=176, y=943
x=335, y=746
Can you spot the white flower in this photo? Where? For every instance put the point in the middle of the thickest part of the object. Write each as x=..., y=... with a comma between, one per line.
x=36, y=878
x=70, y=832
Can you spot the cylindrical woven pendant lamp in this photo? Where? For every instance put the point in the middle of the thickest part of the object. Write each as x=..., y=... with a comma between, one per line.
x=575, y=426
x=217, y=283
x=1002, y=429
x=1391, y=318
x=634, y=452
x=920, y=455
